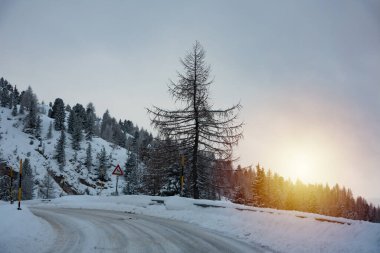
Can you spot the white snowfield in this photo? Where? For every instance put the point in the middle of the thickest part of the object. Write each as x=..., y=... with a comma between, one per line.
x=263, y=230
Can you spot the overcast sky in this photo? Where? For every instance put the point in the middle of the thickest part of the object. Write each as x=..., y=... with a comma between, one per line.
x=306, y=72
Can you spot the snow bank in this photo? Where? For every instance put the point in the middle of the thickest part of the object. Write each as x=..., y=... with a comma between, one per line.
x=284, y=231
x=20, y=230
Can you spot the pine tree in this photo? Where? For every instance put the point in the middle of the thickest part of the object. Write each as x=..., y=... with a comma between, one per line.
x=154, y=175
x=16, y=96
x=105, y=128
x=37, y=132
x=31, y=118
x=27, y=99
x=131, y=177
x=49, y=134
x=90, y=122
x=290, y=202
x=27, y=180
x=46, y=187
x=80, y=113
x=258, y=187
x=70, y=122
x=203, y=130
x=77, y=135
x=268, y=189
x=4, y=97
x=102, y=165
x=5, y=184
x=58, y=114
x=14, y=110
x=11, y=99
x=162, y=175
x=118, y=137
x=21, y=110
x=239, y=196
x=131, y=165
x=60, y=149
x=88, y=162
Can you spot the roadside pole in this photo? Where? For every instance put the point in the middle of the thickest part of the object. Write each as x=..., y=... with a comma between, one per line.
x=117, y=181
x=19, y=186
x=182, y=168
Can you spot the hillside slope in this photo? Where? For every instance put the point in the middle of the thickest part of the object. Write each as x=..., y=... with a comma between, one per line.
x=74, y=177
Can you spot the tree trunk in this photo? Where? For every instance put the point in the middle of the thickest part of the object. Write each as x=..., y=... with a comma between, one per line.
x=196, y=140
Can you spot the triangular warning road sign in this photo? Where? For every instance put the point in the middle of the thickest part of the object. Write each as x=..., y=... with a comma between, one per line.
x=118, y=171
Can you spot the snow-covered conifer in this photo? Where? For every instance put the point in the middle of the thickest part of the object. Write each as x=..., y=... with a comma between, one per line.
x=31, y=118
x=4, y=97
x=80, y=112
x=102, y=165
x=38, y=129
x=46, y=187
x=58, y=114
x=14, y=110
x=88, y=161
x=77, y=134
x=90, y=121
x=70, y=122
x=60, y=149
x=27, y=99
x=27, y=180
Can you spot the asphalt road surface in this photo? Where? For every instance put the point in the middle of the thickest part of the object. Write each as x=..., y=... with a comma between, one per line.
x=88, y=230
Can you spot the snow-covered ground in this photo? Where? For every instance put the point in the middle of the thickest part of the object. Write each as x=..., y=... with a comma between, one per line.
x=21, y=231
x=283, y=231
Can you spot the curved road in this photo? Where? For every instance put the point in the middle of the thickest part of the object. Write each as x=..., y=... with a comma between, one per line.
x=88, y=230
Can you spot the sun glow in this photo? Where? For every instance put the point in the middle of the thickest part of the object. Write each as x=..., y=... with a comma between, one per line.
x=302, y=166
x=305, y=162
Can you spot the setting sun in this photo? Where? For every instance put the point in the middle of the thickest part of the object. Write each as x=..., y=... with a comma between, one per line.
x=302, y=166
x=307, y=161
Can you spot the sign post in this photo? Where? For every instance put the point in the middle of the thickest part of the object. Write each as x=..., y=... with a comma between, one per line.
x=117, y=172
x=19, y=186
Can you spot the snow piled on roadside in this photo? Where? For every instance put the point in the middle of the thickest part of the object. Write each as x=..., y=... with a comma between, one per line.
x=21, y=231
x=283, y=231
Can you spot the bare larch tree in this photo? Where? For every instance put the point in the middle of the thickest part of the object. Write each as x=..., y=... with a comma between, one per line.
x=202, y=132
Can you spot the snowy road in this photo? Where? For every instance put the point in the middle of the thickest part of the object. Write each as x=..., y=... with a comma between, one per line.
x=86, y=230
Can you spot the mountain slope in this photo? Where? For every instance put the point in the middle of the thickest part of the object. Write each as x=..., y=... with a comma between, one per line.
x=74, y=177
